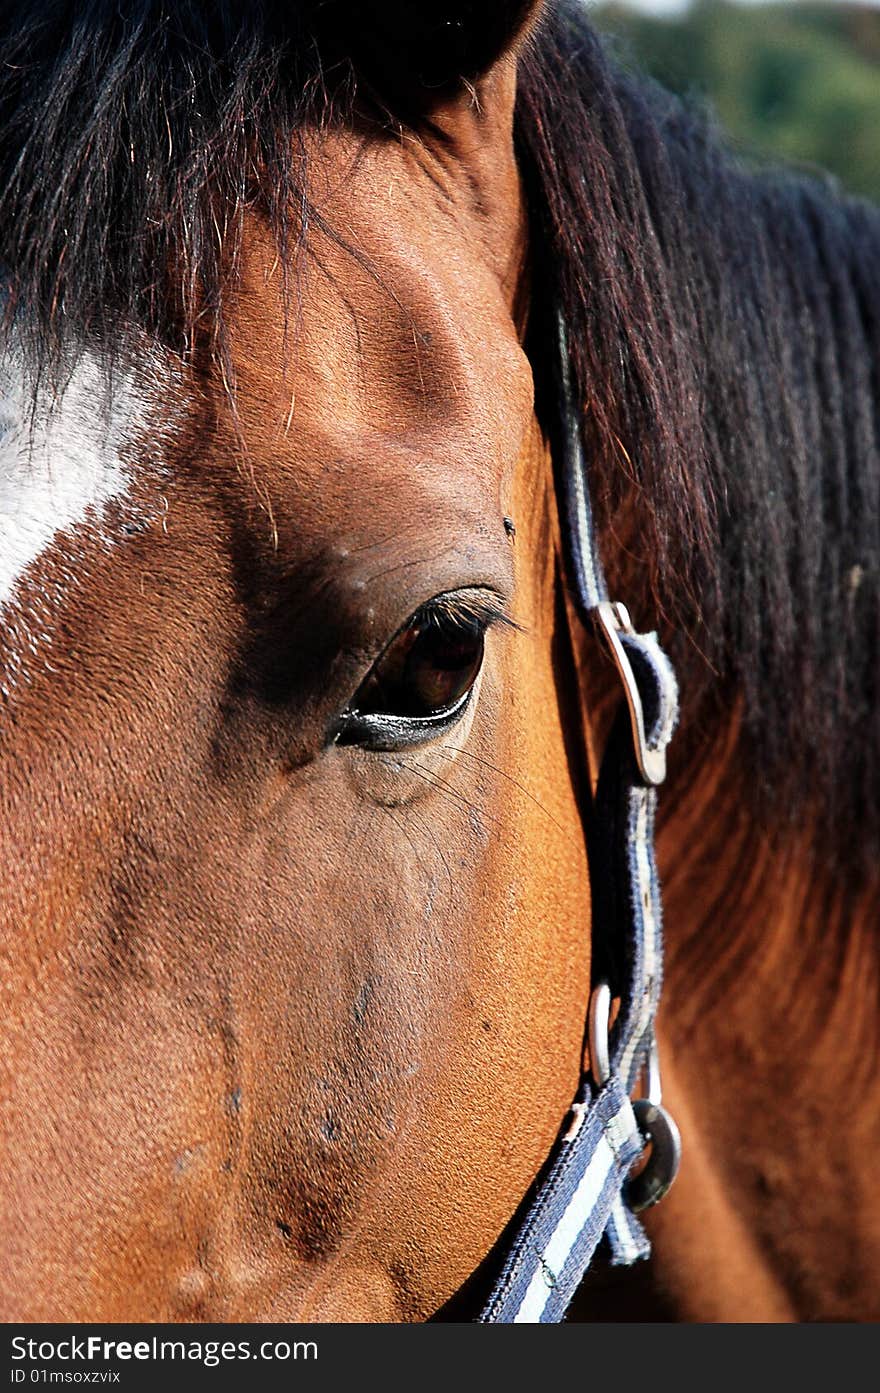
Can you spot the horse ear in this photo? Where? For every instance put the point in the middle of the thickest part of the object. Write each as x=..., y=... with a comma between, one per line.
x=436, y=44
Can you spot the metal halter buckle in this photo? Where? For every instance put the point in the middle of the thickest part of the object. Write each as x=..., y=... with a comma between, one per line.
x=613, y=619
x=656, y=1125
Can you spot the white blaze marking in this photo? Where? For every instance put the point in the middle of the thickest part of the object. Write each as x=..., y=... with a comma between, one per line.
x=62, y=468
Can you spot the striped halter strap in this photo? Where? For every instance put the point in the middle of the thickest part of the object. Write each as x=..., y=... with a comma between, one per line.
x=585, y=1190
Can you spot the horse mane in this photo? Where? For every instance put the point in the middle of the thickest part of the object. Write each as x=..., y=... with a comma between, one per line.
x=724, y=322
x=135, y=139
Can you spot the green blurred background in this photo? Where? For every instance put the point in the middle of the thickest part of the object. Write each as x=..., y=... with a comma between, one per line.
x=797, y=81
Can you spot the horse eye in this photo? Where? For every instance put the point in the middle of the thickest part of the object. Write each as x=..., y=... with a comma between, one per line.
x=421, y=683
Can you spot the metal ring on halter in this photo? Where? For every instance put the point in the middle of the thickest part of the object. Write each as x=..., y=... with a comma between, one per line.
x=657, y=1127
x=656, y=1177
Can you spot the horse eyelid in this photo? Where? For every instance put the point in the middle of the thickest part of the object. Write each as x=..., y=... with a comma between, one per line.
x=472, y=606
x=386, y=732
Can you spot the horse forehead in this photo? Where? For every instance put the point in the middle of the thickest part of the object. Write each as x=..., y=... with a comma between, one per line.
x=451, y=201
x=402, y=357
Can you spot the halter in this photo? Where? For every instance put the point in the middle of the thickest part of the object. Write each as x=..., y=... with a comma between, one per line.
x=585, y=1189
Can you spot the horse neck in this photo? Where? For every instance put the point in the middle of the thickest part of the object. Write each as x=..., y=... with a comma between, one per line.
x=770, y=1033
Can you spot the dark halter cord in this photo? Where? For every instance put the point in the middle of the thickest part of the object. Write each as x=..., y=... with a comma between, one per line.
x=585, y=1190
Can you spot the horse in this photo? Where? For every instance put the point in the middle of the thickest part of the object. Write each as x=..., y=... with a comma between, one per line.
x=300, y=730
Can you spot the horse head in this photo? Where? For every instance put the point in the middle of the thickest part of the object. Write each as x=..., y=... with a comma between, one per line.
x=296, y=915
